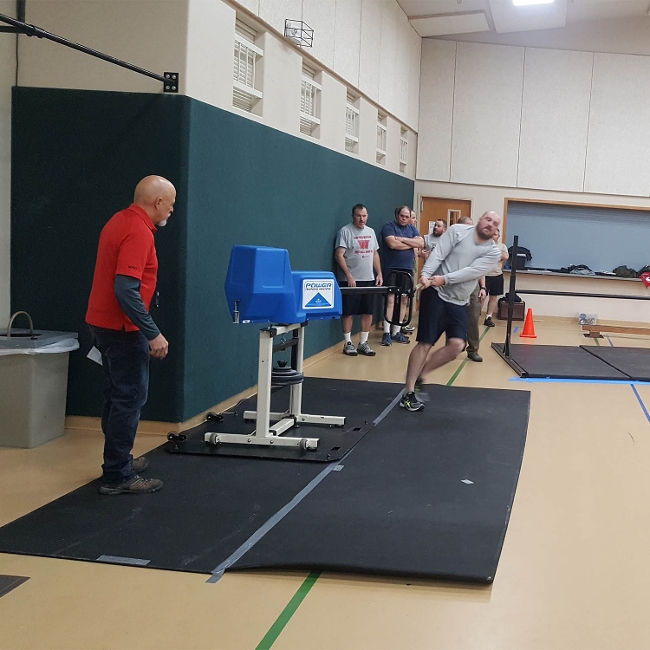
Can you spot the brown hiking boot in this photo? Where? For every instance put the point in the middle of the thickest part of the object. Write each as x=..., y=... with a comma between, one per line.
x=136, y=485
x=139, y=464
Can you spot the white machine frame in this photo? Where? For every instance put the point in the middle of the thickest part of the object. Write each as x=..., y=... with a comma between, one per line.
x=265, y=433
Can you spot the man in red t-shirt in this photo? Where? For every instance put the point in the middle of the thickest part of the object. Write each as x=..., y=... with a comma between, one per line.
x=123, y=330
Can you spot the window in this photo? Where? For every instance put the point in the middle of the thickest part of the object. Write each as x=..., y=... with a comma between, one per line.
x=382, y=123
x=309, y=103
x=245, y=93
x=352, y=124
x=403, y=149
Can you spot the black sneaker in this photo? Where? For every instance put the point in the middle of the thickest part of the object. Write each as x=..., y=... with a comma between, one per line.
x=136, y=485
x=410, y=402
x=488, y=322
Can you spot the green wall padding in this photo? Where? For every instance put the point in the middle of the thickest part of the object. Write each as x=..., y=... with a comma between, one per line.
x=76, y=157
x=250, y=184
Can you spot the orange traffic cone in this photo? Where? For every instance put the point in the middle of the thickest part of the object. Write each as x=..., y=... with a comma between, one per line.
x=529, y=326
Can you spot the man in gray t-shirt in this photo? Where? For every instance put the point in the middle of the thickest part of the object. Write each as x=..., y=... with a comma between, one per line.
x=463, y=254
x=358, y=266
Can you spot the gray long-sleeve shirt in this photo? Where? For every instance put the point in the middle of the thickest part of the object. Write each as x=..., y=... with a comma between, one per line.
x=127, y=292
x=461, y=260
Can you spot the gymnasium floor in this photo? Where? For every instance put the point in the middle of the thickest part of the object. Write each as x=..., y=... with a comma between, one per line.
x=574, y=572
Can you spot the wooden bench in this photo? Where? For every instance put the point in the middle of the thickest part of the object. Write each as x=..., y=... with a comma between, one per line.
x=594, y=331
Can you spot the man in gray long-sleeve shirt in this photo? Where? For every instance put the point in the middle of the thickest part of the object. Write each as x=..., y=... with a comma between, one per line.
x=463, y=254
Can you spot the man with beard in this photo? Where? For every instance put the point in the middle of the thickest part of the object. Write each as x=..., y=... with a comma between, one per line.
x=431, y=240
x=463, y=254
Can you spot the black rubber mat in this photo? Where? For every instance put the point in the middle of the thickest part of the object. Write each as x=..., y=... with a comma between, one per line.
x=634, y=362
x=207, y=509
x=9, y=583
x=425, y=494
x=558, y=362
x=320, y=397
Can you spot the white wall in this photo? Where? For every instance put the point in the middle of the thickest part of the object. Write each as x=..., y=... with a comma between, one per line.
x=208, y=73
x=281, y=71
x=554, y=119
x=333, y=102
x=148, y=33
x=618, y=146
x=367, y=130
x=7, y=76
x=535, y=118
x=369, y=44
x=486, y=114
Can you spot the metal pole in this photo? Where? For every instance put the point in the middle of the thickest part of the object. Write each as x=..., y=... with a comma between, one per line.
x=575, y=294
x=511, y=293
x=171, y=82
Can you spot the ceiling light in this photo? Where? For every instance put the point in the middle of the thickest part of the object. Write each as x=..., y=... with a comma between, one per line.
x=526, y=3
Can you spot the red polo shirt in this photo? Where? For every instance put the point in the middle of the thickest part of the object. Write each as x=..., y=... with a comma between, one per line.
x=126, y=247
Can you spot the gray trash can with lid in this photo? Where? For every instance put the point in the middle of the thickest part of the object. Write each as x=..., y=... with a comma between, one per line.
x=33, y=383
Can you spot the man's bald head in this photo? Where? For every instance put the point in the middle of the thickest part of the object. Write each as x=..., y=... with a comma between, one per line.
x=156, y=196
x=466, y=221
x=488, y=225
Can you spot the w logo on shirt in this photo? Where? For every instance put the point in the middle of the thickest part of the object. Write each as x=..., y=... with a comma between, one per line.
x=363, y=244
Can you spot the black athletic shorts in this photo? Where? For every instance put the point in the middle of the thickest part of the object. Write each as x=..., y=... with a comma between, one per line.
x=494, y=285
x=438, y=317
x=357, y=304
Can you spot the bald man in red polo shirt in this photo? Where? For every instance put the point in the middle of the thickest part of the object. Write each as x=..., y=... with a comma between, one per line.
x=123, y=330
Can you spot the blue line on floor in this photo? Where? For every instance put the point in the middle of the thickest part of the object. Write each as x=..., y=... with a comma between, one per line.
x=634, y=390
x=551, y=380
x=515, y=330
x=645, y=410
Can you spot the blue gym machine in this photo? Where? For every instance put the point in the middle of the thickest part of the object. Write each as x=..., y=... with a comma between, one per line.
x=261, y=288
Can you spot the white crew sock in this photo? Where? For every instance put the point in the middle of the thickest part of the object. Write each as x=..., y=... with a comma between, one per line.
x=348, y=337
x=364, y=337
x=386, y=327
x=394, y=329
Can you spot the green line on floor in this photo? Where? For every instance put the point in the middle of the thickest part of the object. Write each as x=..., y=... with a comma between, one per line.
x=462, y=365
x=281, y=622
x=597, y=341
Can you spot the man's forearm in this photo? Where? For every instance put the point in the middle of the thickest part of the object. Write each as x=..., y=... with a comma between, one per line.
x=127, y=292
x=411, y=242
x=340, y=260
x=397, y=245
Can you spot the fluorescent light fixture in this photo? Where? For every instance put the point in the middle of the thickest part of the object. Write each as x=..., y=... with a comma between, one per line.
x=527, y=3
